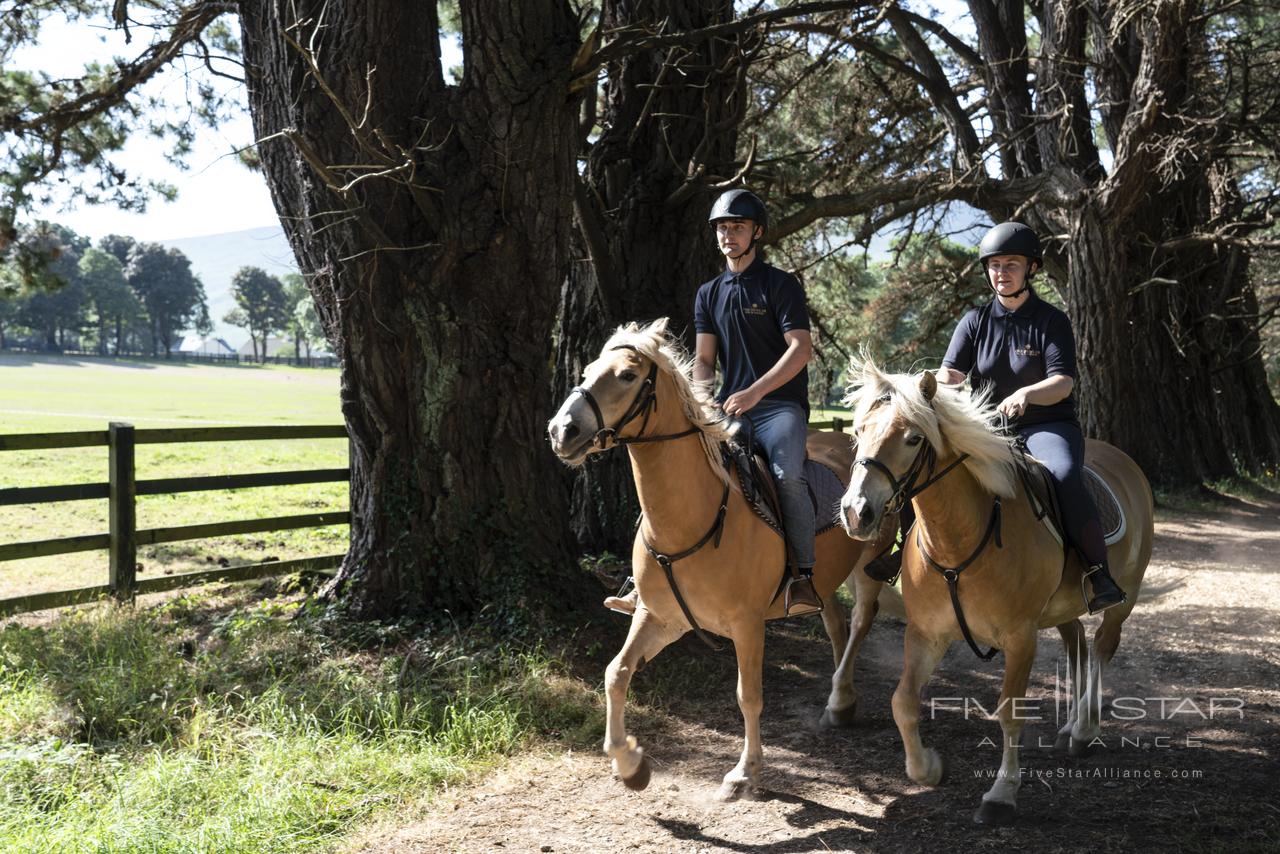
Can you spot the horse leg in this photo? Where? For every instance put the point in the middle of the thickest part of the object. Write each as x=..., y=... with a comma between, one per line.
x=836, y=624
x=843, y=700
x=745, y=776
x=1088, y=726
x=1001, y=800
x=1077, y=655
x=648, y=637
x=920, y=656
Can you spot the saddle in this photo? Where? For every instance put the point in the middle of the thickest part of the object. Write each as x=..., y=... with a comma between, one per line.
x=1044, y=497
x=761, y=491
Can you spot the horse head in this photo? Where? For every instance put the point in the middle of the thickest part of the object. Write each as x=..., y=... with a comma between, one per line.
x=618, y=399
x=894, y=436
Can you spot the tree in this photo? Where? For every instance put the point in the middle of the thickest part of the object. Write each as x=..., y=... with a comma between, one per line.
x=55, y=302
x=262, y=306
x=1144, y=146
x=171, y=294
x=667, y=127
x=108, y=292
x=304, y=323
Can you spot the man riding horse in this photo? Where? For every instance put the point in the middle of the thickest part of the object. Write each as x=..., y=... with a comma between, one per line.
x=752, y=318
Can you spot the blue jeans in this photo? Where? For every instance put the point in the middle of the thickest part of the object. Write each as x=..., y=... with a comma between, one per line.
x=781, y=431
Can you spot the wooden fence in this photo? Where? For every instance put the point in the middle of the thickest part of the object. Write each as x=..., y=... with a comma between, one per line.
x=121, y=491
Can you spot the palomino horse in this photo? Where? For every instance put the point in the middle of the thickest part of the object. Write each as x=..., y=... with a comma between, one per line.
x=725, y=561
x=936, y=446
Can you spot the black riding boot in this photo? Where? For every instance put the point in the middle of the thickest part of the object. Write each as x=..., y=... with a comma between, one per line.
x=800, y=597
x=1105, y=590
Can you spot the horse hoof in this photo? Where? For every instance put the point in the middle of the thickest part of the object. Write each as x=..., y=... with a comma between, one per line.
x=995, y=814
x=838, y=718
x=1062, y=743
x=638, y=781
x=734, y=790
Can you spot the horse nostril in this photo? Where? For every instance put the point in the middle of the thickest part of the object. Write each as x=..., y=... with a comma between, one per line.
x=571, y=432
x=866, y=514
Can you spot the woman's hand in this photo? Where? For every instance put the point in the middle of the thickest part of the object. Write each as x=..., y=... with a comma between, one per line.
x=1015, y=404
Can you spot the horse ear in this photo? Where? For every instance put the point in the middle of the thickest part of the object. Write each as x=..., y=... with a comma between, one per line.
x=928, y=385
x=659, y=326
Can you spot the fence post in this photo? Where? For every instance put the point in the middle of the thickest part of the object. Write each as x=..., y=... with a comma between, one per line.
x=123, y=494
x=838, y=424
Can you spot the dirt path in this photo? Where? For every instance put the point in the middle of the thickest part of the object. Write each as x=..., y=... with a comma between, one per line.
x=847, y=790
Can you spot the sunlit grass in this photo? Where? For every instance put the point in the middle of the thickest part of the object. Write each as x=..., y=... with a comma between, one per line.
x=53, y=394
x=224, y=725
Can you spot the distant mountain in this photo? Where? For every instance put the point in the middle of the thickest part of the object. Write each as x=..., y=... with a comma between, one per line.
x=216, y=257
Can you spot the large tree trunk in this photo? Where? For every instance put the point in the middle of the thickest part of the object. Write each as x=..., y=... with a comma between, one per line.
x=643, y=245
x=437, y=287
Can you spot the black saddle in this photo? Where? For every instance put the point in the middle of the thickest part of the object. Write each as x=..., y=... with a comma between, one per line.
x=746, y=460
x=1043, y=496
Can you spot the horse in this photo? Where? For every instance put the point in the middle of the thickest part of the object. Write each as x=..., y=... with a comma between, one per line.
x=639, y=393
x=1000, y=586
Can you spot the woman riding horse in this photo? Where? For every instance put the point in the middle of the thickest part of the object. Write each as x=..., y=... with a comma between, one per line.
x=1022, y=348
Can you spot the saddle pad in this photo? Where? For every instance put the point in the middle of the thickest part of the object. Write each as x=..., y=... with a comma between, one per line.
x=1110, y=514
x=825, y=491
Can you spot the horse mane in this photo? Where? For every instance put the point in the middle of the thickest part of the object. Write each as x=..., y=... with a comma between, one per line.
x=654, y=343
x=954, y=420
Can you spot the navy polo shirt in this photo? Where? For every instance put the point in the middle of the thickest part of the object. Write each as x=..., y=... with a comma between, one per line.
x=1009, y=350
x=748, y=312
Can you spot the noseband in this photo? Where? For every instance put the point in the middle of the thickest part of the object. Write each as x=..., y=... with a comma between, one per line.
x=645, y=403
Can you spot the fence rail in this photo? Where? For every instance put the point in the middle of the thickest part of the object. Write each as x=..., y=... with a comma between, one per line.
x=180, y=356
x=121, y=491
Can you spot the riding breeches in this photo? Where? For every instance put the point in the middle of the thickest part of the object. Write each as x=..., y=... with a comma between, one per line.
x=1060, y=446
x=781, y=431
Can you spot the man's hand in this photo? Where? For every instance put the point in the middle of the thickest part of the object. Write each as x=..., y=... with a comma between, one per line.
x=1015, y=404
x=741, y=402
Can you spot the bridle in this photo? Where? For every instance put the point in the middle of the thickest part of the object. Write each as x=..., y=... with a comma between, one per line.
x=644, y=404
x=904, y=489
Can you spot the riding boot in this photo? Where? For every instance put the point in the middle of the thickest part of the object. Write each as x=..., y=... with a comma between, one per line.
x=800, y=597
x=1106, y=592
x=886, y=567
x=623, y=604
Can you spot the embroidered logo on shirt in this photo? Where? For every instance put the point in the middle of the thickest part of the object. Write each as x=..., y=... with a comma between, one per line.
x=1026, y=350
x=755, y=309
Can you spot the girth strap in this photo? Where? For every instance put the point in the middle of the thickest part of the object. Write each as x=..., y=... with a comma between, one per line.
x=666, y=561
x=952, y=576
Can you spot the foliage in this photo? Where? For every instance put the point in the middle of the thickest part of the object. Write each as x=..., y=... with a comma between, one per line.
x=220, y=723
x=262, y=306
x=171, y=294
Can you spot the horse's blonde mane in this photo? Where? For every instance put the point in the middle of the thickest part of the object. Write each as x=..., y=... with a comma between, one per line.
x=669, y=355
x=953, y=421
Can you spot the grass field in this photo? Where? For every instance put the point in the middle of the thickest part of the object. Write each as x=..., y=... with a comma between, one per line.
x=52, y=394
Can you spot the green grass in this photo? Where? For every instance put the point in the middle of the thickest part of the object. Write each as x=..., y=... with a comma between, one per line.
x=221, y=724
x=50, y=394
x=820, y=413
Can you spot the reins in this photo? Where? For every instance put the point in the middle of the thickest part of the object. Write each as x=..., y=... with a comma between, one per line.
x=646, y=403
x=904, y=489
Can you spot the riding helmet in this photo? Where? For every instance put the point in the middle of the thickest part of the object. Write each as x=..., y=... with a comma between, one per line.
x=1010, y=238
x=739, y=204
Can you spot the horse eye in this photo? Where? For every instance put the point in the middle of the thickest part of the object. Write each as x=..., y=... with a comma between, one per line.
x=627, y=376
x=915, y=440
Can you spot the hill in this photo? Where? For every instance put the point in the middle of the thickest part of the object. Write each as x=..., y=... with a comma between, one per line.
x=216, y=257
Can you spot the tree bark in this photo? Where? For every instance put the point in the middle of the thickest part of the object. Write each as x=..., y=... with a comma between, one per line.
x=437, y=284
x=643, y=246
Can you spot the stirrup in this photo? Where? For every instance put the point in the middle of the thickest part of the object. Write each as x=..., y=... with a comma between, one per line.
x=1084, y=594
x=628, y=589
x=801, y=608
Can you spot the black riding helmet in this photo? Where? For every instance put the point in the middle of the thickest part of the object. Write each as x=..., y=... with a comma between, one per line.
x=740, y=204
x=1012, y=238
